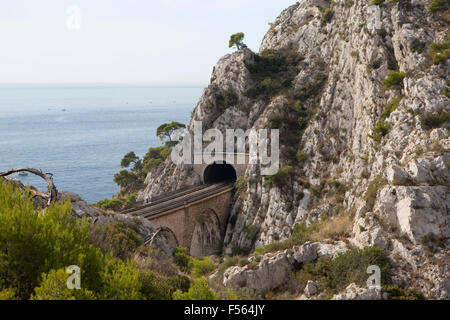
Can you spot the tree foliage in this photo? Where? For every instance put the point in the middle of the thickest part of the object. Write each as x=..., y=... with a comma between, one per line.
x=237, y=40
x=165, y=131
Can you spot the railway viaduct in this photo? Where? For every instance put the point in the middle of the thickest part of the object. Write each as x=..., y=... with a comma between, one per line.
x=196, y=217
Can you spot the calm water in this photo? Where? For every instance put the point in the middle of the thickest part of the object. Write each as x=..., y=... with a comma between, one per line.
x=83, y=145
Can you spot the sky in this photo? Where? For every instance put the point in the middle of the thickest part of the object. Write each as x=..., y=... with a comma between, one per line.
x=125, y=41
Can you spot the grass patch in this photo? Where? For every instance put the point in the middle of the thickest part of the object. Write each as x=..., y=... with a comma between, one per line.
x=372, y=191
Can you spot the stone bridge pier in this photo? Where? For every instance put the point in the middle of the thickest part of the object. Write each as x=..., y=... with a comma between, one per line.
x=196, y=218
x=199, y=225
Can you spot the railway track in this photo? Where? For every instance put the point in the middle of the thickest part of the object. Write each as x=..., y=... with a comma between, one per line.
x=181, y=198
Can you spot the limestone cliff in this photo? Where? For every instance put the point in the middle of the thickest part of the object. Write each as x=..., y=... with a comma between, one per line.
x=378, y=151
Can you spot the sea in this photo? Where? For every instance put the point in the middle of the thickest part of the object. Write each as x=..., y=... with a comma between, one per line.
x=80, y=133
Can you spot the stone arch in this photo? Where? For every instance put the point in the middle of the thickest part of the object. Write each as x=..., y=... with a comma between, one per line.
x=206, y=235
x=219, y=171
x=170, y=236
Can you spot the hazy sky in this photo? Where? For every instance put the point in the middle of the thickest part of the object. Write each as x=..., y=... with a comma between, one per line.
x=125, y=41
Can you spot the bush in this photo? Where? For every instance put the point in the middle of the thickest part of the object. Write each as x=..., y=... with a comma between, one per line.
x=431, y=120
x=226, y=99
x=391, y=107
x=155, y=287
x=315, y=190
x=348, y=267
x=440, y=51
x=372, y=191
x=155, y=156
x=301, y=158
x=199, y=290
x=272, y=71
x=240, y=185
x=275, y=121
x=397, y=293
x=54, y=287
x=280, y=177
x=182, y=259
x=439, y=5
x=118, y=204
x=7, y=294
x=299, y=236
x=376, y=2
x=120, y=280
x=118, y=238
x=327, y=15
x=380, y=130
x=32, y=243
x=202, y=267
x=352, y=265
x=393, y=80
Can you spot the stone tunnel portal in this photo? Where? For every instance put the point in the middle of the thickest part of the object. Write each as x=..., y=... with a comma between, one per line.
x=219, y=172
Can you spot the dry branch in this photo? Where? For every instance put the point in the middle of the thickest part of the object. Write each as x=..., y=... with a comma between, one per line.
x=53, y=193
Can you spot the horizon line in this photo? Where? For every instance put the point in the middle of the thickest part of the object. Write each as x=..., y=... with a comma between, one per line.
x=111, y=84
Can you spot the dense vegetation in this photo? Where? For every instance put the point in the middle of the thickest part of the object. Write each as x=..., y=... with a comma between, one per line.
x=37, y=246
x=271, y=72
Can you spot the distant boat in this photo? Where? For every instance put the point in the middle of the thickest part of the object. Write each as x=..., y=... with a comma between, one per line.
x=64, y=110
x=23, y=174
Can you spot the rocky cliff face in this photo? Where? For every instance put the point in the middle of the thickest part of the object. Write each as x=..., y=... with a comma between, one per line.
x=380, y=154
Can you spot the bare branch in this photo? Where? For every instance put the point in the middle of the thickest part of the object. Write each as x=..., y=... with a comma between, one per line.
x=48, y=177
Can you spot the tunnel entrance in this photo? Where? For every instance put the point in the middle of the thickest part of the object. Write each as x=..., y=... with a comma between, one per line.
x=219, y=172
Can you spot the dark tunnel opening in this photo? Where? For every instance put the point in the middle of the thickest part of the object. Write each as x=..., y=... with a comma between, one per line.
x=219, y=172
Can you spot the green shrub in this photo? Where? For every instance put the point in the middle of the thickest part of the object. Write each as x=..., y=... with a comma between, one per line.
x=397, y=293
x=439, y=58
x=118, y=238
x=299, y=236
x=418, y=46
x=391, y=107
x=348, y=267
x=440, y=51
x=301, y=158
x=182, y=259
x=7, y=294
x=154, y=287
x=393, y=80
x=118, y=204
x=446, y=93
x=33, y=243
x=226, y=99
x=199, y=290
x=271, y=72
x=280, y=177
x=312, y=89
x=351, y=266
x=380, y=130
x=120, y=280
x=327, y=15
x=155, y=156
x=315, y=190
x=54, y=287
x=202, y=267
x=275, y=121
x=240, y=185
x=439, y=5
x=372, y=191
x=431, y=120
x=376, y=2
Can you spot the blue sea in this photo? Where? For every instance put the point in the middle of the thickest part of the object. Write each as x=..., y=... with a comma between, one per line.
x=80, y=133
